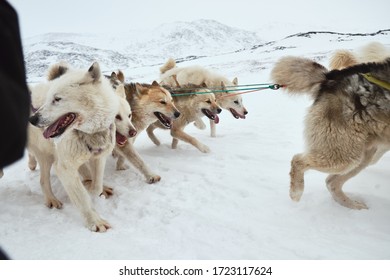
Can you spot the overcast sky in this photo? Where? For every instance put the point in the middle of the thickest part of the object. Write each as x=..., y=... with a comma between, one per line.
x=94, y=16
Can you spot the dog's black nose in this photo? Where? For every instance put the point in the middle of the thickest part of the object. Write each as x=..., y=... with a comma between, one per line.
x=245, y=112
x=219, y=110
x=34, y=119
x=177, y=114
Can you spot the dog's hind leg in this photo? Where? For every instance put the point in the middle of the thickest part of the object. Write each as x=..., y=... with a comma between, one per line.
x=32, y=162
x=335, y=182
x=299, y=164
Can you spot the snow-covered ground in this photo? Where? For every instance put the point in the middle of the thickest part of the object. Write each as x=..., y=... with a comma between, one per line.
x=232, y=203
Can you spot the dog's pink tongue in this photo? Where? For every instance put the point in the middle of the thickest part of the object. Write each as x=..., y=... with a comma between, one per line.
x=120, y=139
x=50, y=130
x=216, y=119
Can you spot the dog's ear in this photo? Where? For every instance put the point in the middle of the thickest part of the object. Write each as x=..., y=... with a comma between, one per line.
x=94, y=72
x=155, y=83
x=57, y=70
x=120, y=91
x=223, y=85
x=120, y=76
x=235, y=81
x=140, y=89
x=113, y=75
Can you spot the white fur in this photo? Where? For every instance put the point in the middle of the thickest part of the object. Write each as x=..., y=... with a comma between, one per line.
x=88, y=140
x=198, y=75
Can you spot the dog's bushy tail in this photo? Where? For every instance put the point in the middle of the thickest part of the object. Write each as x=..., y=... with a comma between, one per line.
x=170, y=64
x=341, y=59
x=57, y=70
x=299, y=75
x=374, y=52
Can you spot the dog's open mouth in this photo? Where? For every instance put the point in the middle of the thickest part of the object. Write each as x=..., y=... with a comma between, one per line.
x=59, y=126
x=121, y=140
x=210, y=115
x=167, y=122
x=236, y=114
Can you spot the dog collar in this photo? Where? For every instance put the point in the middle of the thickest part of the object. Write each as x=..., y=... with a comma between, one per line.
x=376, y=81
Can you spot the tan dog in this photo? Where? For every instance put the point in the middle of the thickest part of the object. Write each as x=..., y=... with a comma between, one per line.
x=192, y=107
x=198, y=75
x=149, y=103
x=372, y=52
x=347, y=125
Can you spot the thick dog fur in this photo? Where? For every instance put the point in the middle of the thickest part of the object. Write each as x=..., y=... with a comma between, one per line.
x=372, y=52
x=346, y=128
x=171, y=74
x=76, y=112
x=192, y=107
x=149, y=103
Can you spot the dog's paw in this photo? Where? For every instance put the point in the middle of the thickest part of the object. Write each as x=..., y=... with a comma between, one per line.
x=204, y=149
x=296, y=195
x=153, y=179
x=122, y=166
x=99, y=226
x=53, y=203
x=358, y=205
x=352, y=204
x=107, y=192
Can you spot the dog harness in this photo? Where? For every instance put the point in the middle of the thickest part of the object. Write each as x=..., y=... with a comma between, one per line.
x=376, y=81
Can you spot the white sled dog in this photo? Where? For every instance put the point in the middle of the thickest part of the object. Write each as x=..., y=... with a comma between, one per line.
x=198, y=75
x=347, y=125
x=77, y=116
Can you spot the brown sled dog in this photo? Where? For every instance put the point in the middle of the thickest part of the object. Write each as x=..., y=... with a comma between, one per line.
x=348, y=125
x=192, y=107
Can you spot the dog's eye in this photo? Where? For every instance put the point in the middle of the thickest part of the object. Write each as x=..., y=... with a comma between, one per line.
x=118, y=117
x=208, y=101
x=163, y=102
x=236, y=102
x=130, y=116
x=56, y=99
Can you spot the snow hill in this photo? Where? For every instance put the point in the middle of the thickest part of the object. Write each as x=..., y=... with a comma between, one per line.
x=232, y=203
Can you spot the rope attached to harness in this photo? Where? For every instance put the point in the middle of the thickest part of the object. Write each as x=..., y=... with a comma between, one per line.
x=376, y=81
x=236, y=90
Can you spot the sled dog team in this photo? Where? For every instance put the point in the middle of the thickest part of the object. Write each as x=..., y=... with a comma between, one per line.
x=80, y=117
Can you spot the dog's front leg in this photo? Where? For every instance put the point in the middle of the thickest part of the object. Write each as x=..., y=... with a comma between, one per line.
x=79, y=196
x=212, y=129
x=97, y=171
x=131, y=155
x=181, y=135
